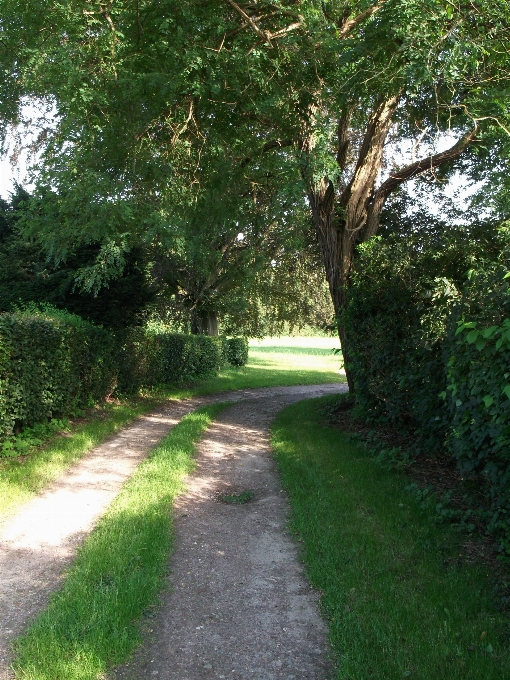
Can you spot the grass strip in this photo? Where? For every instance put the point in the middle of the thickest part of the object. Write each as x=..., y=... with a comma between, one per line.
x=22, y=478
x=91, y=624
x=399, y=593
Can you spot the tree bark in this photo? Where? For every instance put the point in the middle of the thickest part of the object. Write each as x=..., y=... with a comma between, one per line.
x=204, y=322
x=347, y=215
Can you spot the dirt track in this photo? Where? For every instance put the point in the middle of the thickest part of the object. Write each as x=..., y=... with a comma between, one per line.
x=239, y=606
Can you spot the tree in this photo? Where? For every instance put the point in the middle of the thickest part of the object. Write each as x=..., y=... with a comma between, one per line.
x=26, y=275
x=370, y=74
x=168, y=99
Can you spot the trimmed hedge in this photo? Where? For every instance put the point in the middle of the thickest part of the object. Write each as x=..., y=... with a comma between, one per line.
x=153, y=356
x=51, y=363
x=235, y=351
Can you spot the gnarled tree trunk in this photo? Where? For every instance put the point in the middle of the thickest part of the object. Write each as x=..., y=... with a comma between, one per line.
x=348, y=214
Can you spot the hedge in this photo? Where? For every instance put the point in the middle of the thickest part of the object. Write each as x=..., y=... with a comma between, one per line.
x=153, y=356
x=430, y=355
x=478, y=386
x=235, y=351
x=51, y=363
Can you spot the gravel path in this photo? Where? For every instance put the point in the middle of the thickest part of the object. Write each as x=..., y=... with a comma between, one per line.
x=244, y=609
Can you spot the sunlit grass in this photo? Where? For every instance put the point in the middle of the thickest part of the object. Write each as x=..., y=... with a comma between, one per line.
x=401, y=596
x=93, y=623
x=281, y=361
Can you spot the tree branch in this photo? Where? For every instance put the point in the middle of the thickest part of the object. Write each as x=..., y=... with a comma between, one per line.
x=273, y=144
x=265, y=36
x=343, y=138
x=355, y=196
x=407, y=173
x=345, y=25
x=277, y=144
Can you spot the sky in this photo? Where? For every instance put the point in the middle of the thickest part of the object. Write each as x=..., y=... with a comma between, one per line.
x=32, y=113
x=9, y=175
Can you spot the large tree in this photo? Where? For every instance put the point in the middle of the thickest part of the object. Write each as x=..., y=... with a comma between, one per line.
x=160, y=101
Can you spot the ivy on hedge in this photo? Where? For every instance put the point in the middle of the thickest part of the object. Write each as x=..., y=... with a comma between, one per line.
x=51, y=363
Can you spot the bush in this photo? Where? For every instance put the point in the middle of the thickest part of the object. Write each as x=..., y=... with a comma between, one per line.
x=430, y=354
x=478, y=391
x=51, y=363
x=152, y=355
x=396, y=320
x=235, y=351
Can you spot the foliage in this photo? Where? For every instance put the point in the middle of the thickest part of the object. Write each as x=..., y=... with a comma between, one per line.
x=183, y=125
x=430, y=350
x=236, y=351
x=28, y=275
x=478, y=390
x=152, y=355
x=51, y=363
x=400, y=299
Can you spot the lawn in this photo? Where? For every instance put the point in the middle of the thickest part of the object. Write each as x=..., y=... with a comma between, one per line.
x=401, y=594
x=281, y=361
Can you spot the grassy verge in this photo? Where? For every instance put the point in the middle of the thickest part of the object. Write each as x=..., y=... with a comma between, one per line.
x=398, y=591
x=21, y=478
x=91, y=624
x=281, y=361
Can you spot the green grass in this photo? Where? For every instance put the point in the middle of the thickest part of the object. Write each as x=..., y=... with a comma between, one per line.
x=275, y=361
x=91, y=624
x=281, y=361
x=22, y=478
x=398, y=591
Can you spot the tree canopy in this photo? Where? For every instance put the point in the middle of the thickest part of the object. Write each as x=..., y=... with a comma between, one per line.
x=193, y=122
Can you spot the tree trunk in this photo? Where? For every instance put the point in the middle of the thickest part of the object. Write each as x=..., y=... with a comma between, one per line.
x=348, y=214
x=204, y=322
x=337, y=249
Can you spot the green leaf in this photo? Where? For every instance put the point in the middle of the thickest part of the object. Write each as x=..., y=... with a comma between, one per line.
x=472, y=336
x=490, y=332
x=462, y=326
x=488, y=400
